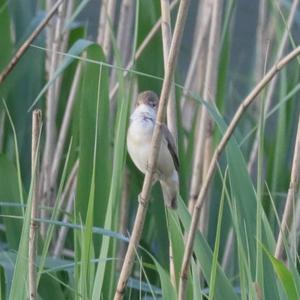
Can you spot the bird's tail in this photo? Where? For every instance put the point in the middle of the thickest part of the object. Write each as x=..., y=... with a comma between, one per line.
x=170, y=188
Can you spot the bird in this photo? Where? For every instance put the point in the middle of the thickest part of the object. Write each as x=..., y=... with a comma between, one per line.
x=139, y=140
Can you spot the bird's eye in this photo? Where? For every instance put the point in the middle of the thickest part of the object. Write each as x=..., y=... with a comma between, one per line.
x=153, y=104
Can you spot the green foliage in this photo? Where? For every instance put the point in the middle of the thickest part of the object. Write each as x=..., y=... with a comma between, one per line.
x=284, y=276
x=92, y=91
x=9, y=193
x=151, y=60
x=223, y=287
x=6, y=42
x=97, y=138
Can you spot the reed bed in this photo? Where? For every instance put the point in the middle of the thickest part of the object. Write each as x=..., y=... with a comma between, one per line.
x=78, y=220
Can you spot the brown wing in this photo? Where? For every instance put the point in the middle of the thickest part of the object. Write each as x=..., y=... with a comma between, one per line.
x=171, y=145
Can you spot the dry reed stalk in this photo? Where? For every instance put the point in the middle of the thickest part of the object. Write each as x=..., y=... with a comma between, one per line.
x=260, y=40
x=294, y=236
x=151, y=34
x=209, y=92
x=197, y=67
x=68, y=196
x=206, y=183
x=51, y=97
x=30, y=39
x=124, y=41
x=207, y=155
x=260, y=62
x=49, y=37
x=64, y=17
x=271, y=89
x=290, y=200
x=64, y=42
x=111, y=9
x=171, y=107
x=2, y=122
x=140, y=50
x=124, y=213
x=63, y=231
x=66, y=33
x=102, y=22
x=124, y=206
x=68, y=253
x=124, y=35
x=167, y=39
x=51, y=110
x=196, y=72
x=33, y=232
x=144, y=196
x=194, y=81
x=106, y=21
x=64, y=127
x=258, y=291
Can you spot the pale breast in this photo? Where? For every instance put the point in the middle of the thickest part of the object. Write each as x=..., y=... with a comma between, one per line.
x=139, y=140
x=139, y=144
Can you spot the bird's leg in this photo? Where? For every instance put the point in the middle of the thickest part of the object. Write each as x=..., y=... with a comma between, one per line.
x=155, y=177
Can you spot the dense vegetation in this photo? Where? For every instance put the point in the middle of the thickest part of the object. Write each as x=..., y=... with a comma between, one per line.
x=82, y=188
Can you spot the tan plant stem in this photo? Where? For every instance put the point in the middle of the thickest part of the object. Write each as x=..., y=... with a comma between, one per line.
x=106, y=20
x=294, y=236
x=124, y=38
x=209, y=92
x=64, y=41
x=69, y=196
x=197, y=67
x=111, y=8
x=102, y=22
x=202, y=29
x=140, y=49
x=194, y=81
x=260, y=62
x=152, y=33
x=2, y=122
x=156, y=140
x=68, y=253
x=49, y=37
x=271, y=89
x=124, y=213
x=206, y=183
x=171, y=107
x=30, y=39
x=262, y=44
x=51, y=110
x=124, y=42
x=258, y=291
x=260, y=40
x=51, y=99
x=207, y=155
x=33, y=232
x=64, y=127
x=167, y=39
x=290, y=200
x=209, y=95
